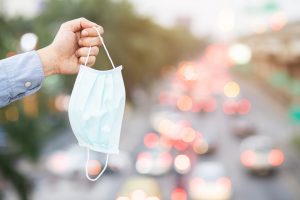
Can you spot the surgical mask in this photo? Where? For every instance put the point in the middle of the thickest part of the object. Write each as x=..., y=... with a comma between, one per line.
x=96, y=109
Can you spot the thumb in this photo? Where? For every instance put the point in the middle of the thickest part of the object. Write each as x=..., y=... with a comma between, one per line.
x=76, y=25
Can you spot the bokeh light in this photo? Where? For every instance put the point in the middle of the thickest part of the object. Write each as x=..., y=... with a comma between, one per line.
x=182, y=164
x=278, y=21
x=240, y=54
x=179, y=194
x=93, y=167
x=138, y=195
x=28, y=41
x=232, y=89
x=11, y=114
x=184, y=103
x=188, y=134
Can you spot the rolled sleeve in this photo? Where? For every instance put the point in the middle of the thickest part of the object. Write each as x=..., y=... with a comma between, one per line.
x=20, y=75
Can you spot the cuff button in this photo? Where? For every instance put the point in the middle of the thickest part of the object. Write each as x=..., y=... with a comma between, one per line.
x=27, y=84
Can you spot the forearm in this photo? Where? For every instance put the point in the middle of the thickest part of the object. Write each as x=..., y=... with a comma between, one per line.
x=48, y=60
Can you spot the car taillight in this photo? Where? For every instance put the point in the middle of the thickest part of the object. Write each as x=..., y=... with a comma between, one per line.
x=210, y=105
x=229, y=107
x=276, y=157
x=248, y=158
x=94, y=167
x=180, y=145
x=179, y=194
x=224, y=181
x=151, y=140
x=244, y=106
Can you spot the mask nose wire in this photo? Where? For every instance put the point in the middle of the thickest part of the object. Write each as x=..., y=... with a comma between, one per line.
x=87, y=163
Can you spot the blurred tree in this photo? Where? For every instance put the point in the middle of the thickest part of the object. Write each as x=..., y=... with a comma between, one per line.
x=141, y=46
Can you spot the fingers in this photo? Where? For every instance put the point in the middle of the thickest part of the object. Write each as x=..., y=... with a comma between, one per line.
x=83, y=51
x=89, y=41
x=91, y=60
x=76, y=25
x=91, y=32
x=84, y=23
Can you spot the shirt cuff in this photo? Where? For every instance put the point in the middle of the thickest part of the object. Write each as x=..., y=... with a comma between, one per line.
x=25, y=74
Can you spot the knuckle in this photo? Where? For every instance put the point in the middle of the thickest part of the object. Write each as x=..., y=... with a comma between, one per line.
x=63, y=25
x=81, y=59
x=85, y=43
x=96, y=49
x=79, y=51
x=92, y=59
x=101, y=30
x=98, y=41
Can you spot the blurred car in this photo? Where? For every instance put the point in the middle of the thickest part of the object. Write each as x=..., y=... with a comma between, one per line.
x=204, y=104
x=66, y=163
x=154, y=161
x=205, y=143
x=260, y=155
x=236, y=106
x=209, y=182
x=119, y=162
x=140, y=188
x=242, y=128
x=71, y=162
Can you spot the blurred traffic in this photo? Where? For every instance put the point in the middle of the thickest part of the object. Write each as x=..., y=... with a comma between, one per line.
x=221, y=124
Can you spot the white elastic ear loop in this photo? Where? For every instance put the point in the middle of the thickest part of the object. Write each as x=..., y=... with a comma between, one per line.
x=104, y=47
x=87, y=58
x=87, y=163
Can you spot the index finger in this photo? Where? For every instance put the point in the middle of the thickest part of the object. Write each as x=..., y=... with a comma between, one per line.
x=91, y=32
x=78, y=24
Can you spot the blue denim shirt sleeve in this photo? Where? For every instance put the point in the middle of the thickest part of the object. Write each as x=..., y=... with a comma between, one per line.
x=20, y=75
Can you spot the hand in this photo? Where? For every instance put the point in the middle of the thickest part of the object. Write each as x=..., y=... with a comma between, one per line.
x=70, y=47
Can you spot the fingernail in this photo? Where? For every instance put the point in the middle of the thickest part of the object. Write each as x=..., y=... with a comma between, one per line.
x=84, y=33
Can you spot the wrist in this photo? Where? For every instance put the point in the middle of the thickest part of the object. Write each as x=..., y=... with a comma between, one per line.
x=48, y=58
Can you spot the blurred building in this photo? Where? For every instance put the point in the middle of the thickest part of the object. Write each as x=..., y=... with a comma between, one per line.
x=25, y=8
x=276, y=58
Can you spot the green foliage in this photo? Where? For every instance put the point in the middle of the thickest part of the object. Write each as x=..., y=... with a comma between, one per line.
x=7, y=161
x=295, y=139
x=141, y=46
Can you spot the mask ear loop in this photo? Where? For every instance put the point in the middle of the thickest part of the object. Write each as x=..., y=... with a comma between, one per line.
x=86, y=167
x=102, y=41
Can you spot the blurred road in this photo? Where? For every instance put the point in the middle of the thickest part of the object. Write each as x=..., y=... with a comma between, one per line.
x=267, y=114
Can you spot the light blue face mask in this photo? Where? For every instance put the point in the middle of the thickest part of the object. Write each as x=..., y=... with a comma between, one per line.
x=96, y=109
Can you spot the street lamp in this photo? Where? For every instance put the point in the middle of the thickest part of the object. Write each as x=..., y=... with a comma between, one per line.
x=240, y=54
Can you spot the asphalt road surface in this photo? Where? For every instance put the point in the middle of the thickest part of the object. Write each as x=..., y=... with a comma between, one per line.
x=268, y=115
